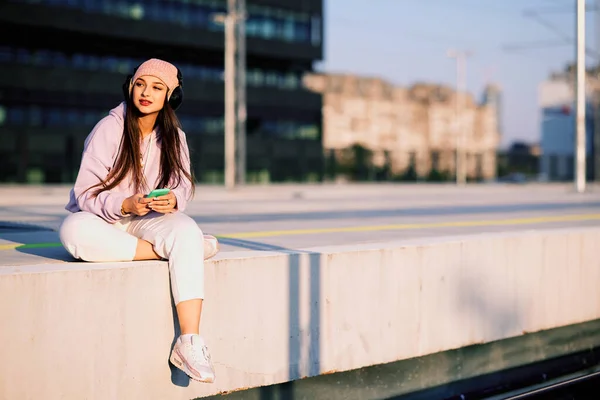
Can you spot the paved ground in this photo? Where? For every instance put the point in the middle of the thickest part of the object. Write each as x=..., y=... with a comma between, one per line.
x=297, y=216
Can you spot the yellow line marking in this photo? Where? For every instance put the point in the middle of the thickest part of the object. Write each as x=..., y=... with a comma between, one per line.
x=449, y=224
x=372, y=228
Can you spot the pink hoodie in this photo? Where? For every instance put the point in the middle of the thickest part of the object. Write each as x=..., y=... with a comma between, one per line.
x=99, y=154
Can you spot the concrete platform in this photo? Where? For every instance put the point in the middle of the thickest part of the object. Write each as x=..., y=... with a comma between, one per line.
x=100, y=331
x=268, y=218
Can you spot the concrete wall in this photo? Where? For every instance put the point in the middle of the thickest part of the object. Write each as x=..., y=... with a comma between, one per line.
x=99, y=331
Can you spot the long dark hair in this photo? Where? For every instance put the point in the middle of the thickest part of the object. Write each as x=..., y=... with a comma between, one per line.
x=172, y=169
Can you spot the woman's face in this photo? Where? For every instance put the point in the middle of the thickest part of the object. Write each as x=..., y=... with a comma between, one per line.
x=149, y=94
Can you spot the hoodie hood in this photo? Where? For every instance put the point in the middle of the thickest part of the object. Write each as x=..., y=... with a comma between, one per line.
x=118, y=116
x=118, y=113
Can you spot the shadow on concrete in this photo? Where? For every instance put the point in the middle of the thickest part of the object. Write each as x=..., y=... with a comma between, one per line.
x=482, y=307
x=35, y=240
x=251, y=245
x=299, y=365
x=478, y=299
x=57, y=253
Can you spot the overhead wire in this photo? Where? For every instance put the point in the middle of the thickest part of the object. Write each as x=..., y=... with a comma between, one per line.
x=521, y=49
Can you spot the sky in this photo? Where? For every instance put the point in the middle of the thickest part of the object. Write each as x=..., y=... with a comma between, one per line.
x=406, y=41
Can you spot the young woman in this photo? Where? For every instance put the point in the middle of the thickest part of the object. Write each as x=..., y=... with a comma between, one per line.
x=139, y=147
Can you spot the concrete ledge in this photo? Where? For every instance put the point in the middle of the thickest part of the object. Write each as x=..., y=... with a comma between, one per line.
x=473, y=372
x=100, y=331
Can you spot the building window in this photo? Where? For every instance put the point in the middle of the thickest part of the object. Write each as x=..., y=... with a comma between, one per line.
x=121, y=65
x=268, y=24
x=302, y=28
x=35, y=116
x=288, y=26
x=255, y=77
x=290, y=81
x=271, y=79
x=252, y=26
x=289, y=129
x=6, y=55
x=78, y=61
x=91, y=6
x=262, y=21
x=23, y=56
x=73, y=117
x=315, y=31
x=308, y=132
x=54, y=117
x=2, y=115
x=214, y=126
x=38, y=115
x=90, y=118
x=16, y=116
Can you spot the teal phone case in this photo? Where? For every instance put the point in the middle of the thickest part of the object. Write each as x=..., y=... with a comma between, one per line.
x=158, y=192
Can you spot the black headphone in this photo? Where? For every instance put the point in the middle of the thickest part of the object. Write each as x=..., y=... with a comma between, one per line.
x=176, y=96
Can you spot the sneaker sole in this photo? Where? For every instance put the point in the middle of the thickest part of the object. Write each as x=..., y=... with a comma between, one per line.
x=178, y=362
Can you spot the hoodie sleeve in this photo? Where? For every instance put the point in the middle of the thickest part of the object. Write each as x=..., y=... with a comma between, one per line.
x=183, y=192
x=99, y=153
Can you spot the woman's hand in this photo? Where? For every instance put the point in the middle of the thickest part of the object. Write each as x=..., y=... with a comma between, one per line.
x=164, y=204
x=137, y=204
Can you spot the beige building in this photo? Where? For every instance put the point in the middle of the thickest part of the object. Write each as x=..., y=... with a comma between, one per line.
x=408, y=126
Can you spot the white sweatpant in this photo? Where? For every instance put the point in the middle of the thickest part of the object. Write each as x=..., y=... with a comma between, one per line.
x=175, y=237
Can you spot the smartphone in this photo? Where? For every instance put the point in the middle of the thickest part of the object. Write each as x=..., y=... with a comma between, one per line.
x=158, y=192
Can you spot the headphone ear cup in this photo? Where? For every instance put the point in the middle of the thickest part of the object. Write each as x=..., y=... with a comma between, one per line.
x=176, y=98
x=126, y=85
x=180, y=77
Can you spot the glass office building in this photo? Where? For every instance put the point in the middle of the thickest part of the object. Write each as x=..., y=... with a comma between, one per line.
x=62, y=64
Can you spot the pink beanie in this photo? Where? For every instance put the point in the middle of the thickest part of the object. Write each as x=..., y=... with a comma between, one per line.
x=163, y=70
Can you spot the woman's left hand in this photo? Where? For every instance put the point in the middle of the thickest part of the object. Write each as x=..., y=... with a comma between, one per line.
x=164, y=204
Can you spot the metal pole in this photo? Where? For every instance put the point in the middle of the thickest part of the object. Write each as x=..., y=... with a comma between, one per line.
x=461, y=176
x=461, y=89
x=580, y=100
x=457, y=124
x=230, y=145
x=240, y=89
x=596, y=103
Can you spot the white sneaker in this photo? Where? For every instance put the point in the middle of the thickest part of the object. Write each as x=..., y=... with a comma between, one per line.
x=211, y=246
x=190, y=355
